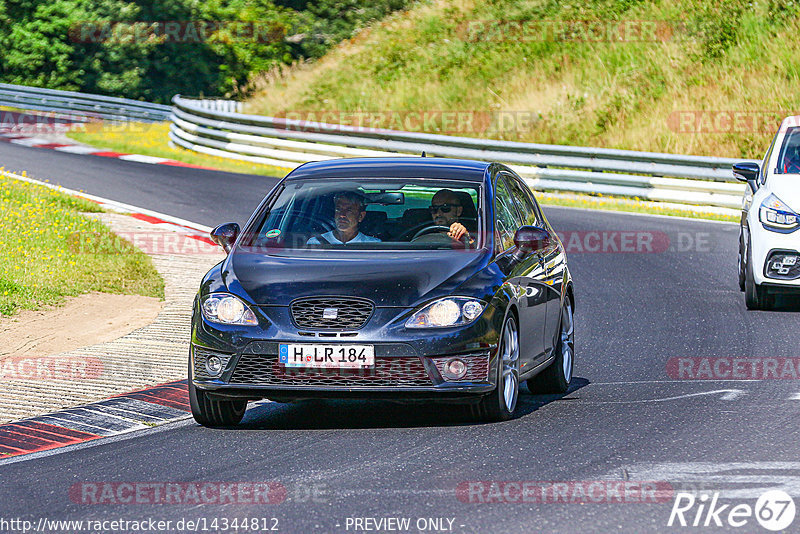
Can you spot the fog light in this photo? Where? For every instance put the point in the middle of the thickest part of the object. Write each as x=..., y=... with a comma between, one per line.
x=455, y=369
x=214, y=366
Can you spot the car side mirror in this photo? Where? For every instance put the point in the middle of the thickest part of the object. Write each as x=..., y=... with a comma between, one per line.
x=747, y=172
x=225, y=235
x=529, y=239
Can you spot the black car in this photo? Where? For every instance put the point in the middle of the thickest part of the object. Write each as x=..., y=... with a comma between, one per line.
x=419, y=279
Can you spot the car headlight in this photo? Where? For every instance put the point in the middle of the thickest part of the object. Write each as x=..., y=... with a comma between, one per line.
x=227, y=309
x=450, y=311
x=775, y=214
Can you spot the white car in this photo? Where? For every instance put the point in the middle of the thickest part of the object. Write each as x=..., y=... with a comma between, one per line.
x=769, y=236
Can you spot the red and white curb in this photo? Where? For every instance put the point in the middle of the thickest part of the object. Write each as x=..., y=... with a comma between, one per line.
x=121, y=414
x=118, y=415
x=41, y=142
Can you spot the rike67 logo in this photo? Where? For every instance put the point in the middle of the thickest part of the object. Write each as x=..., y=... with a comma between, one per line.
x=774, y=510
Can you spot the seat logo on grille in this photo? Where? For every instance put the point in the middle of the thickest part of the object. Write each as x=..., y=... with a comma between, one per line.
x=330, y=313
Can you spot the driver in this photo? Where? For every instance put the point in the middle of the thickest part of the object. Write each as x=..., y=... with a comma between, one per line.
x=350, y=210
x=445, y=210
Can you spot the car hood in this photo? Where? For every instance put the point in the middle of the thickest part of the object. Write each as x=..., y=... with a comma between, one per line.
x=404, y=279
x=787, y=188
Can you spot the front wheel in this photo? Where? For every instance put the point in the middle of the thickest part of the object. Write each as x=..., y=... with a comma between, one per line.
x=211, y=412
x=741, y=264
x=755, y=296
x=500, y=404
x=557, y=376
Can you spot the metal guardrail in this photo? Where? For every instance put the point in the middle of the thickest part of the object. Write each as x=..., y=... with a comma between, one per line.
x=705, y=181
x=81, y=104
x=218, y=127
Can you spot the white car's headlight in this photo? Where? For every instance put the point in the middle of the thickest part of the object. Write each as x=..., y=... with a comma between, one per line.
x=775, y=214
x=227, y=309
x=450, y=311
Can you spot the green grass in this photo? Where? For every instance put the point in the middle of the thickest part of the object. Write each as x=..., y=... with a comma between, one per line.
x=627, y=205
x=49, y=250
x=151, y=139
x=710, y=56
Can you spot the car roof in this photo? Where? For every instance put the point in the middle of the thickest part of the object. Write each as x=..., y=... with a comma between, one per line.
x=789, y=122
x=398, y=167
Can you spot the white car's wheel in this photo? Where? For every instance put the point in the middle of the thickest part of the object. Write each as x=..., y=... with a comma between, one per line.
x=755, y=296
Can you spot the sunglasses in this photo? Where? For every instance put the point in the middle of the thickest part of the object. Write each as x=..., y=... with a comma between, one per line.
x=444, y=208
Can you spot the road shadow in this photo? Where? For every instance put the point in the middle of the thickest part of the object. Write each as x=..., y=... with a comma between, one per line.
x=362, y=414
x=787, y=303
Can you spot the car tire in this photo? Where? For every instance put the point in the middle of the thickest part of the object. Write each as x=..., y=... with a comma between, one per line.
x=755, y=296
x=499, y=405
x=214, y=413
x=557, y=376
x=741, y=269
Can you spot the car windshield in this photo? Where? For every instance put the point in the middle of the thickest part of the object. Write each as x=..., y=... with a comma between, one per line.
x=789, y=157
x=371, y=214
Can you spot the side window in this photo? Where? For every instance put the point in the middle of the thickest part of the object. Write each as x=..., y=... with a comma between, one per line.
x=524, y=199
x=507, y=218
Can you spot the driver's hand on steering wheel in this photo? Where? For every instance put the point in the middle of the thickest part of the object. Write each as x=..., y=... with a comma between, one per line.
x=457, y=231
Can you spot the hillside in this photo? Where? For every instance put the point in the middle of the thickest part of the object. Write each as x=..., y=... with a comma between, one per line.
x=697, y=77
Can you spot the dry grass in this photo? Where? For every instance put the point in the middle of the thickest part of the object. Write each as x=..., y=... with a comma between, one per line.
x=622, y=95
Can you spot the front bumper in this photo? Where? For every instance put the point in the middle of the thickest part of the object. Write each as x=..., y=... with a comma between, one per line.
x=256, y=372
x=408, y=363
x=765, y=245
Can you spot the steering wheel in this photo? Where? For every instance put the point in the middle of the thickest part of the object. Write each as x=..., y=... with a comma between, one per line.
x=438, y=228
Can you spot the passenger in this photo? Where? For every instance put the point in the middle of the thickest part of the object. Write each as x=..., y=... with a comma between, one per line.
x=350, y=210
x=445, y=210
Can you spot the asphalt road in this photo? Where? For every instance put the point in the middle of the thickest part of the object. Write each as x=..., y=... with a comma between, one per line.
x=627, y=417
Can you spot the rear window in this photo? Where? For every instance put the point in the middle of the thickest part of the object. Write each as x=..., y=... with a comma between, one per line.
x=370, y=214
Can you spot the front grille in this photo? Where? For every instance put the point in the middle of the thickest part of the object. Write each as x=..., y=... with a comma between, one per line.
x=477, y=367
x=350, y=313
x=264, y=369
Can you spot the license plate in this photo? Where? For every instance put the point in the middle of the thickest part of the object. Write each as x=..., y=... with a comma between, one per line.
x=326, y=356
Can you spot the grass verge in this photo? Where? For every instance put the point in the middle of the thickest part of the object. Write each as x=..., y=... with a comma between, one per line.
x=628, y=205
x=40, y=263
x=694, y=77
x=151, y=139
